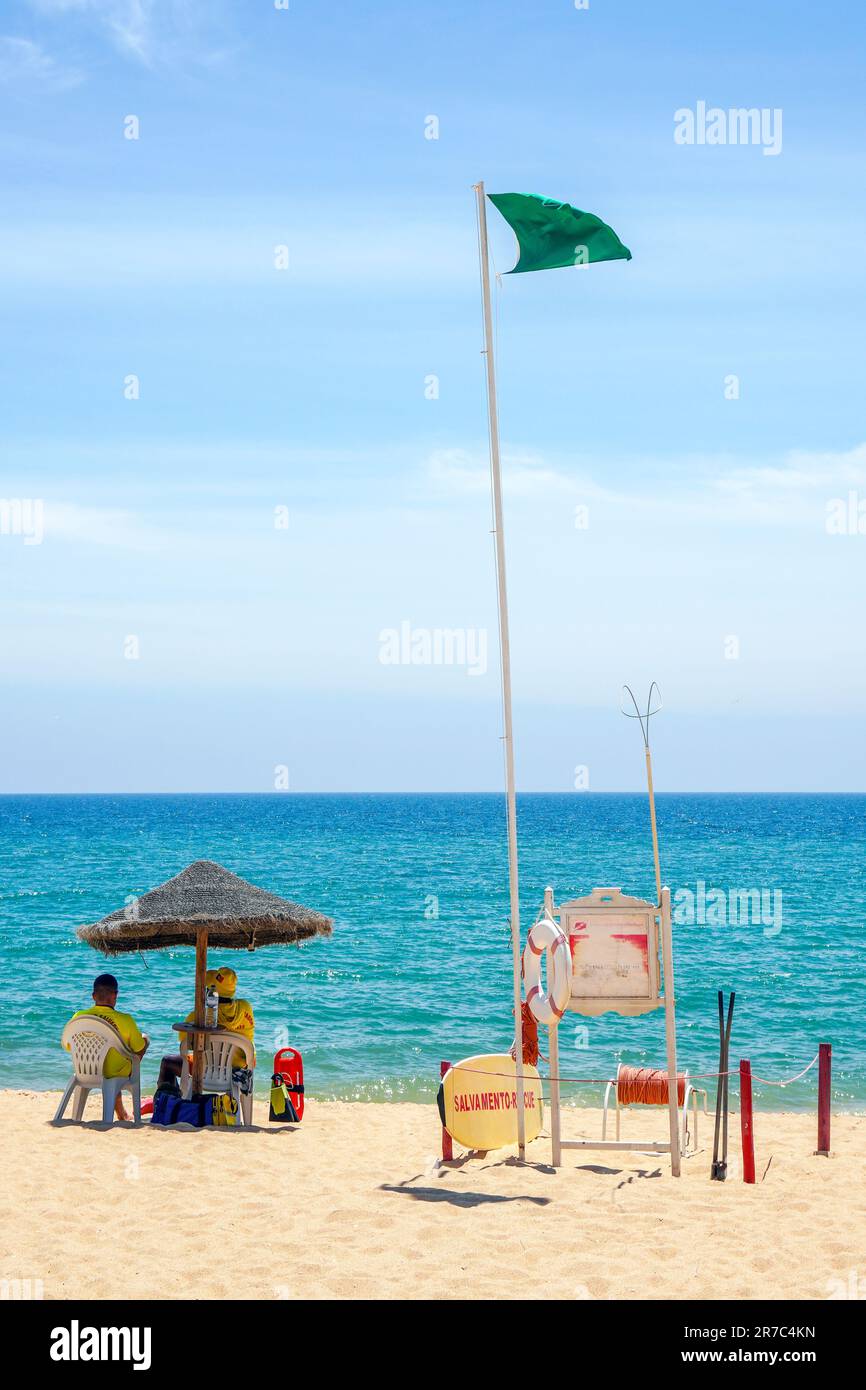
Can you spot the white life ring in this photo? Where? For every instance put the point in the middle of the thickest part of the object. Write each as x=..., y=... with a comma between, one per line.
x=545, y=935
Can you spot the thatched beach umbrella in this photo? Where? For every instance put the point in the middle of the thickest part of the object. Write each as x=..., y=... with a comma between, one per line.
x=204, y=903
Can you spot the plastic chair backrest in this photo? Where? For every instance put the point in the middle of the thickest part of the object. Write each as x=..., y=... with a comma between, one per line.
x=90, y=1039
x=219, y=1049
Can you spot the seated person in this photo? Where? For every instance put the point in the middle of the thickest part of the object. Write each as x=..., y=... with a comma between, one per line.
x=105, y=989
x=235, y=1015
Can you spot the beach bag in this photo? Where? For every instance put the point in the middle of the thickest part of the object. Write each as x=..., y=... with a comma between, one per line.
x=282, y=1105
x=170, y=1108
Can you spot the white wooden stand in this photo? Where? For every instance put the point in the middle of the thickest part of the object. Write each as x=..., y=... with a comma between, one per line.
x=660, y=916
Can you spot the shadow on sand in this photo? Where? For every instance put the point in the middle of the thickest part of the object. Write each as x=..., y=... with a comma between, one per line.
x=616, y=1172
x=100, y=1126
x=459, y=1199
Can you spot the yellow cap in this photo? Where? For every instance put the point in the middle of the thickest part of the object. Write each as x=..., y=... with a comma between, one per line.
x=224, y=980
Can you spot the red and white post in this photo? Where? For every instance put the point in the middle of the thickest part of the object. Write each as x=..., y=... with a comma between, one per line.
x=447, y=1144
x=747, y=1122
x=825, y=1060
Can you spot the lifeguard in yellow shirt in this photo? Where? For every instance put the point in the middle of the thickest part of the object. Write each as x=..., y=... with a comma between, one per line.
x=234, y=1014
x=105, y=988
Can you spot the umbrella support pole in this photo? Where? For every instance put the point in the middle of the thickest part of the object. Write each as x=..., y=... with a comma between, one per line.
x=198, y=1041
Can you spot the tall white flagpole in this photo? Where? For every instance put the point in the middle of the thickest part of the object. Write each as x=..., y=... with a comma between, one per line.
x=505, y=654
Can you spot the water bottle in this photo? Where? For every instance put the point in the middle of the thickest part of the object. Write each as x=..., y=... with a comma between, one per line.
x=211, y=1008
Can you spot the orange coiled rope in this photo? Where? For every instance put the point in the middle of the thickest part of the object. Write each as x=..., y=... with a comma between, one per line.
x=530, y=1037
x=646, y=1086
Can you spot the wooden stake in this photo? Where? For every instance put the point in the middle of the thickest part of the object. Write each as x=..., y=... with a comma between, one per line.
x=746, y=1122
x=825, y=1059
x=447, y=1142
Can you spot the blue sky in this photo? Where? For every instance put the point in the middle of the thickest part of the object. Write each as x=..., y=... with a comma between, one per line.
x=259, y=646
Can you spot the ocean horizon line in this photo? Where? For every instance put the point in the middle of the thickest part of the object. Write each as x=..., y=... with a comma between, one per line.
x=566, y=795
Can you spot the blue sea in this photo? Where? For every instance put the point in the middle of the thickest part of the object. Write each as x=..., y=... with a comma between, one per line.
x=419, y=966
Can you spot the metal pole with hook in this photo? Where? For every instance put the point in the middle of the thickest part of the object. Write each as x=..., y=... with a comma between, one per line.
x=643, y=720
x=665, y=924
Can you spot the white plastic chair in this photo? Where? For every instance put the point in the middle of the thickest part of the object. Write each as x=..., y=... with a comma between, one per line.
x=219, y=1048
x=90, y=1039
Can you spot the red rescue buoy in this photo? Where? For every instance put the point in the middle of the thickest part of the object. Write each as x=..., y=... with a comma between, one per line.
x=290, y=1066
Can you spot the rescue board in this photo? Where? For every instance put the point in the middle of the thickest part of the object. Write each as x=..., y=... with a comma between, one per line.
x=289, y=1064
x=479, y=1102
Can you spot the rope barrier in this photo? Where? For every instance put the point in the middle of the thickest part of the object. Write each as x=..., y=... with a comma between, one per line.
x=765, y=1082
x=611, y=1080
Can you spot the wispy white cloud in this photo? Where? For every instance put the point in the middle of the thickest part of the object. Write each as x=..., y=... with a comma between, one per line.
x=26, y=64
x=802, y=471
x=456, y=472
x=199, y=572
x=129, y=23
x=100, y=526
x=200, y=499
x=791, y=490
x=150, y=32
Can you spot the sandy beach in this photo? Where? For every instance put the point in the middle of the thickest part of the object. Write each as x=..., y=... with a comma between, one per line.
x=353, y=1204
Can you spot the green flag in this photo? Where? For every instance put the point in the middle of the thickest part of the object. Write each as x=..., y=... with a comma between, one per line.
x=552, y=234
